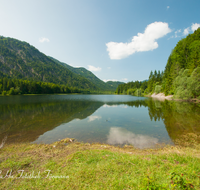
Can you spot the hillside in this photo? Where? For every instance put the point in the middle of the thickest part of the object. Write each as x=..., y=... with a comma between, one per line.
x=110, y=85
x=186, y=55
x=20, y=60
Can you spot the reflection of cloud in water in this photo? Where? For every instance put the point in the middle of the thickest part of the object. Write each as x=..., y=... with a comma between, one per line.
x=93, y=117
x=114, y=106
x=121, y=136
x=109, y=106
x=123, y=106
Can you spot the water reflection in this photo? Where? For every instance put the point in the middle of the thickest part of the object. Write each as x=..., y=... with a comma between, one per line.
x=121, y=136
x=93, y=117
x=142, y=122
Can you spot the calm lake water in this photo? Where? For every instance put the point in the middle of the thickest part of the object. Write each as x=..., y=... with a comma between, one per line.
x=113, y=119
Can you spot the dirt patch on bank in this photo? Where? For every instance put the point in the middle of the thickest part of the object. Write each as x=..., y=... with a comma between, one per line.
x=161, y=96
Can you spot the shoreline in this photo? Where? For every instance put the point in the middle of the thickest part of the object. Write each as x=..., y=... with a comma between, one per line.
x=161, y=96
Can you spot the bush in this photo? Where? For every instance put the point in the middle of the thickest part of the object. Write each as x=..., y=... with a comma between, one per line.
x=138, y=92
x=157, y=89
x=11, y=91
x=186, y=86
x=4, y=93
x=131, y=91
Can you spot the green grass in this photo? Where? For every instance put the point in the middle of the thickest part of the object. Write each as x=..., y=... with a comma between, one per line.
x=97, y=166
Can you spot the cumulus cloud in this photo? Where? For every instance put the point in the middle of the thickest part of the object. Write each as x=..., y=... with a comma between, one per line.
x=118, y=135
x=142, y=42
x=195, y=26
x=167, y=7
x=92, y=68
x=42, y=40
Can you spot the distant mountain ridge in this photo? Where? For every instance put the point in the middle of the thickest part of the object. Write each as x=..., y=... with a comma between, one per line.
x=22, y=61
x=110, y=85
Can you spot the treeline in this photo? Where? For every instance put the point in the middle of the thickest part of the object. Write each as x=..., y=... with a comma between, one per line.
x=18, y=86
x=181, y=76
x=136, y=88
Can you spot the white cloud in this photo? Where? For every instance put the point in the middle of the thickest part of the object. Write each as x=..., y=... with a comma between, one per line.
x=142, y=42
x=109, y=106
x=118, y=135
x=42, y=40
x=167, y=7
x=93, y=117
x=195, y=26
x=92, y=68
x=106, y=80
x=186, y=31
x=124, y=80
x=109, y=67
x=191, y=29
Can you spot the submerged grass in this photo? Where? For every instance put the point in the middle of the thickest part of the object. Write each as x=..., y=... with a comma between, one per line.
x=98, y=166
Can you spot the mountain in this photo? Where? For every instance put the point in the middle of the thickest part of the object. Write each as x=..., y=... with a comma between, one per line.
x=110, y=85
x=22, y=61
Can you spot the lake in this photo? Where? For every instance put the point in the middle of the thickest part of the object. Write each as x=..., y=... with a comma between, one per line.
x=113, y=119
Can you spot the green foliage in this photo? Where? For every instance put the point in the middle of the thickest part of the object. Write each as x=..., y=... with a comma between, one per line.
x=186, y=55
x=132, y=88
x=138, y=92
x=158, y=89
x=180, y=182
x=4, y=93
x=18, y=86
x=131, y=91
x=187, y=86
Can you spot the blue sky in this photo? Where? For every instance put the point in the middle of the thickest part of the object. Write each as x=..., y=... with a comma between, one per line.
x=116, y=39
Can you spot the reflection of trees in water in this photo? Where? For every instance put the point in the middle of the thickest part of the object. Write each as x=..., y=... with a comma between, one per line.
x=179, y=117
x=155, y=110
x=25, y=122
x=136, y=103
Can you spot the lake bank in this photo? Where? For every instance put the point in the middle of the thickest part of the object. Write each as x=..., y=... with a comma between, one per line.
x=98, y=166
x=162, y=97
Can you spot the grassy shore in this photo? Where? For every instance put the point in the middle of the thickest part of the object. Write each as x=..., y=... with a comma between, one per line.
x=98, y=166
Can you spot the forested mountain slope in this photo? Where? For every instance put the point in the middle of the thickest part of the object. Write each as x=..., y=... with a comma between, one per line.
x=20, y=60
x=110, y=85
x=186, y=55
